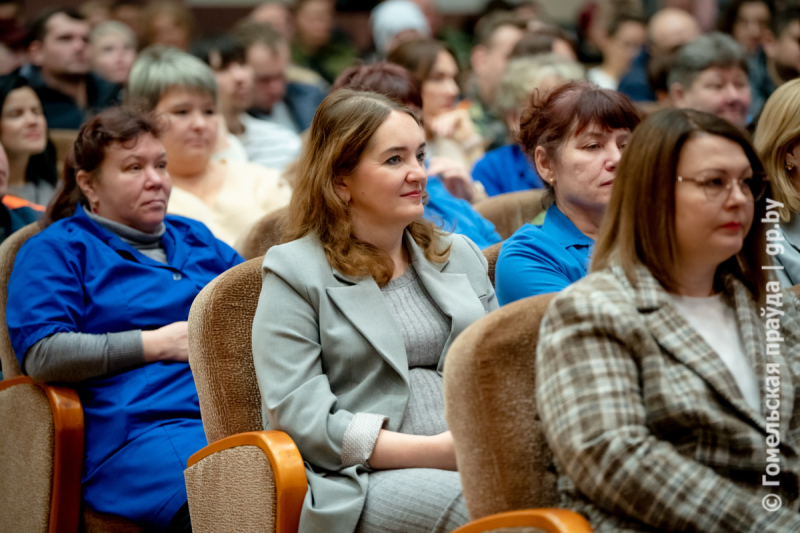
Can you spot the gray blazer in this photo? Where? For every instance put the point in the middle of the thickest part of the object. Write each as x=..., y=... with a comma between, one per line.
x=326, y=347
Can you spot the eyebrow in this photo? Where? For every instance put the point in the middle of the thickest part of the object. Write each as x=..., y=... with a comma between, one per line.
x=394, y=149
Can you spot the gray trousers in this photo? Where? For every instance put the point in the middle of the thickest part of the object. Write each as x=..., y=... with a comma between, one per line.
x=413, y=500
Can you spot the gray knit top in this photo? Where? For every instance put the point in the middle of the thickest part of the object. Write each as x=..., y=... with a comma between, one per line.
x=73, y=357
x=425, y=330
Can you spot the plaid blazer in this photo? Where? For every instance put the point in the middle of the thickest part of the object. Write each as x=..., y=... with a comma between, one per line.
x=649, y=429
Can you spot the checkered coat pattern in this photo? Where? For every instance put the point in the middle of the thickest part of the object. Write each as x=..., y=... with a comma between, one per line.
x=649, y=429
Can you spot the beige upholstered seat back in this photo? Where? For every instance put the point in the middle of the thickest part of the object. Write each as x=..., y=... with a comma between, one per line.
x=264, y=234
x=491, y=254
x=509, y=212
x=221, y=354
x=489, y=381
x=8, y=253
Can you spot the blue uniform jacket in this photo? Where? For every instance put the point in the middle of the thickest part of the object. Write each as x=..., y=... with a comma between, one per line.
x=455, y=215
x=541, y=259
x=506, y=169
x=142, y=424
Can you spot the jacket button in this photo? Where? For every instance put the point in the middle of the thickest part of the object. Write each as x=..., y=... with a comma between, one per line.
x=176, y=276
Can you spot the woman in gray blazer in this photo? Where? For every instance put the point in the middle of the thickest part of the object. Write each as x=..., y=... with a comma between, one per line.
x=356, y=313
x=666, y=379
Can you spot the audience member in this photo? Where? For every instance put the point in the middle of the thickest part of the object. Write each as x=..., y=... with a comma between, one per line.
x=545, y=40
x=395, y=22
x=449, y=129
x=265, y=143
x=496, y=35
x=279, y=96
x=15, y=213
x=13, y=53
x=652, y=372
x=507, y=169
x=316, y=46
x=779, y=61
x=748, y=21
x=710, y=75
x=168, y=24
x=277, y=14
x=227, y=196
x=95, y=12
x=31, y=159
x=113, y=51
x=622, y=43
x=356, y=314
x=129, y=12
x=100, y=299
x=450, y=213
x=60, y=70
x=575, y=135
x=667, y=31
x=777, y=140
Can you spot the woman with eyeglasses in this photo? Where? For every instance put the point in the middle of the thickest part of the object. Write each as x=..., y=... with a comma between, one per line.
x=777, y=140
x=666, y=400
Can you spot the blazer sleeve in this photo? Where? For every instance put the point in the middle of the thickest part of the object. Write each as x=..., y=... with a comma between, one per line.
x=593, y=415
x=295, y=391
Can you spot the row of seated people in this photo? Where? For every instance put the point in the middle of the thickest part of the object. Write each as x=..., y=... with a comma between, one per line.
x=651, y=370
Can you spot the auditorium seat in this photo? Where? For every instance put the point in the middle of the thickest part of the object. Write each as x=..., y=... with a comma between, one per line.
x=247, y=479
x=63, y=140
x=509, y=212
x=264, y=234
x=503, y=457
x=491, y=254
x=41, y=440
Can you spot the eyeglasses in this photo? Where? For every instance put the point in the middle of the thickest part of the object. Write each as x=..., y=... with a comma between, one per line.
x=718, y=188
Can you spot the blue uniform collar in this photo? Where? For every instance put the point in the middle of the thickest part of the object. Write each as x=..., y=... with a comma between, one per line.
x=557, y=225
x=175, y=246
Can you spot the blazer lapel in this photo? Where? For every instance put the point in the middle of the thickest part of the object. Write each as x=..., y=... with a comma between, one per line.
x=361, y=301
x=452, y=292
x=680, y=339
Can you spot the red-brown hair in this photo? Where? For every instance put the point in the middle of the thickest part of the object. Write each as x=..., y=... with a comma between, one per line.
x=383, y=78
x=549, y=120
x=122, y=125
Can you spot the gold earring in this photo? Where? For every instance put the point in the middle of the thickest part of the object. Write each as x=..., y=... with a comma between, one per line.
x=789, y=166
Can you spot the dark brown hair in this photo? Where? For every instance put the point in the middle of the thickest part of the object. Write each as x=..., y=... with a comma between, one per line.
x=340, y=133
x=639, y=223
x=383, y=78
x=549, y=120
x=418, y=56
x=124, y=125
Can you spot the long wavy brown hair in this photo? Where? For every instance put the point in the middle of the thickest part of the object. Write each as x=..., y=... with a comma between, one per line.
x=341, y=132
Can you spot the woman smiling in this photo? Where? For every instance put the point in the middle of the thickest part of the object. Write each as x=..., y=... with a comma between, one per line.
x=357, y=310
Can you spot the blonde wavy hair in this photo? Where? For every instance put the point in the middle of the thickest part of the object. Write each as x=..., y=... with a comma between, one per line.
x=342, y=130
x=777, y=132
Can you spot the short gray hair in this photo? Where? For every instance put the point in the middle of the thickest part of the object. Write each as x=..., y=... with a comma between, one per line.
x=160, y=68
x=525, y=74
x=114, y=27
x=708, y=51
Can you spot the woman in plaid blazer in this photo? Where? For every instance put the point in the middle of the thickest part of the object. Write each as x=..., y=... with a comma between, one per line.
x=656, y=421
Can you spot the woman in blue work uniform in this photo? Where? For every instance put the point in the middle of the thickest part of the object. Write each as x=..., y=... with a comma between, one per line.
x=575, y=134
x=100, y=298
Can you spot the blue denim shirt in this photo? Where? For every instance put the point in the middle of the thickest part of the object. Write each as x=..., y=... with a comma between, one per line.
x=541, y=259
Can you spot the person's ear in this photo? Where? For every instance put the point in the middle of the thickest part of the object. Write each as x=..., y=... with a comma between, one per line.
x=478, y=58
x=341, y=190
x=543, y=165
x=87, y=185
x=769, y=43
x=36, y=53
x=677, y=93
x=792, y=158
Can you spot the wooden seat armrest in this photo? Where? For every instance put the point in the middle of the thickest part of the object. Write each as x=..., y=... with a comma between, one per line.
x=550, y=520
x=287, y=465
x=65, y=406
